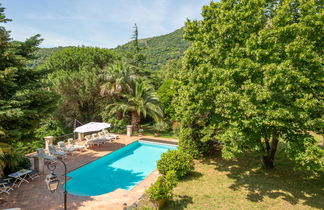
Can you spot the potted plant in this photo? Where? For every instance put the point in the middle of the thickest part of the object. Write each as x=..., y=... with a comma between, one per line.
x=140, y=132
x=160, y=127
x=161, y=190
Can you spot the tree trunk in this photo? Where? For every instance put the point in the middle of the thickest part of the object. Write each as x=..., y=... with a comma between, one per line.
x=120, y=115
x=136, y=118
x=268, y=159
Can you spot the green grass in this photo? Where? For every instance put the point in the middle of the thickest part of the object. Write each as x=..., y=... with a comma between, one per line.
x=243, y=184
x=149, y=131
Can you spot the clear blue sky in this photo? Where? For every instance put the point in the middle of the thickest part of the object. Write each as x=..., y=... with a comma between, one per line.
x=102, y=23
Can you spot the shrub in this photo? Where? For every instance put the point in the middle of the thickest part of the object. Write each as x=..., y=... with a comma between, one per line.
x=176, y=160
x=176, y=128
x=161, y=126
x=23, y=163
x=189, y=141
x=162, y=188
x=49, y=127
x=28, y=147
x=15, y=163
x=118, y=126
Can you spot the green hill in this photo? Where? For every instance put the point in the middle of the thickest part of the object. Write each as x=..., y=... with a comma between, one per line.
x=157, y=50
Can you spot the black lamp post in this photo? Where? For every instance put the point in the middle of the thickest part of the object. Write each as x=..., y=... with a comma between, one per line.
x=53, y=182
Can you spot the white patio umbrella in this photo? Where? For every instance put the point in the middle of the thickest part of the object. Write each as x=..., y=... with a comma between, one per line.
x=91, y=127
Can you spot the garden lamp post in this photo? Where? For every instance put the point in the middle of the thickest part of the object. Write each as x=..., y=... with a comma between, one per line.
x=53, y=182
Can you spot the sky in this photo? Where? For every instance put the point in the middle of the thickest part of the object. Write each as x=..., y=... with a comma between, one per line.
x=100, y=23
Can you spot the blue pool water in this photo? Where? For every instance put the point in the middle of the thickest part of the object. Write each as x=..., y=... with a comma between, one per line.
x=124, y=168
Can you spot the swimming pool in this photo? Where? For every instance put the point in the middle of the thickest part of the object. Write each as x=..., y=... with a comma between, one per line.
x=123, y=168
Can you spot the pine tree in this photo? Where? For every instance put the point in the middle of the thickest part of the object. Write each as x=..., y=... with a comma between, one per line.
x=135, y=56
x=24, y=100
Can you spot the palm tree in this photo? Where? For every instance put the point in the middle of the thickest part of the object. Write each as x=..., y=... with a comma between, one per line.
x=142, y=101
x=117, y=80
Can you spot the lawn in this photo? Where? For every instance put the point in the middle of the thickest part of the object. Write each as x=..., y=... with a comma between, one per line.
x=149, y=131
x=243, y=184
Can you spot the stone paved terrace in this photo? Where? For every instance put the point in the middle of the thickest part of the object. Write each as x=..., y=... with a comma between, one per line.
x=36, y=196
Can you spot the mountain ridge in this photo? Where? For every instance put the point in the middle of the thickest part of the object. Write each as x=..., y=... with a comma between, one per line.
x=158, y=50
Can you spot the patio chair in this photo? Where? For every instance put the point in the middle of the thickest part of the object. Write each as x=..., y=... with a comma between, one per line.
x=5, y=185
x=34, y=174
x=54, y=152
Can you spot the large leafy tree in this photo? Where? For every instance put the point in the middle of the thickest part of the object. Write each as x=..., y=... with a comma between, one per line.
x=76, y=58
x=253, y=77
x=23, y=99
x=141, y=101
x=75, y=76
x=80, y=95
x=167, y=78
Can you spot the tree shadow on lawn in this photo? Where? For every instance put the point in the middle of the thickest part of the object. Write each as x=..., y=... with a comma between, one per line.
x=280, y=182
x=182, y=201
x=192, y=176
x=178, y=202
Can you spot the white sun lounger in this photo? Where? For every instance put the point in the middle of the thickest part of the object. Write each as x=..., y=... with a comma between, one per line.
x=64, y=148
x=54, y=152
x=72, y=144
x=110, y=135
x=89, y=142
x=78, y=147
x=98, y=140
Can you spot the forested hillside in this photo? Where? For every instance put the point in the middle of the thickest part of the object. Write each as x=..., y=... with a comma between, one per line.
x=157, y=50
